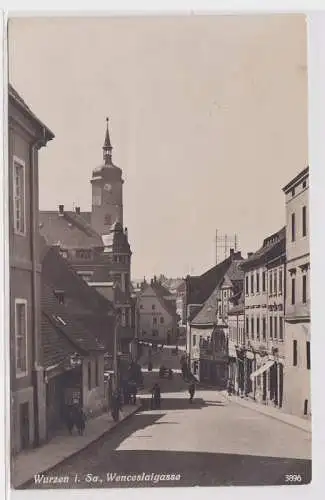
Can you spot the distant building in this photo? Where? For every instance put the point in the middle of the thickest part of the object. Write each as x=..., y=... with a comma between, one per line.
x=96, y=244
x=26, y=135
x=208, y=303
x=158, y=321
x=297, y=392
x=264, y=320
x=236, y=324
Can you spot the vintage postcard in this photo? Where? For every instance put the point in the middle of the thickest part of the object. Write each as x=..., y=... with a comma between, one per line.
x=159, y=235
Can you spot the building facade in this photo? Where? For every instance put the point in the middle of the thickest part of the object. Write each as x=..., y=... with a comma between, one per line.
x=297, y=397
x=264, y=320
x=96, y=243
x=26, y=135
x=209, y=349
x=158, y=321
x=236, y=324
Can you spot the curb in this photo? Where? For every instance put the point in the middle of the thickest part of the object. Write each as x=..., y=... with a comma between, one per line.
x=275, y=417
x=73, y=454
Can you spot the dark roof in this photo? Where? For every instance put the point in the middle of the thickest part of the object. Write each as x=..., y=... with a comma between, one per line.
x=55, y=346
x=56, y=316
x=273, y=247
x=199, y=288
x=57, y=272
x=296, y=180
x=19, y=101
x=69, y=230
x=229, y=270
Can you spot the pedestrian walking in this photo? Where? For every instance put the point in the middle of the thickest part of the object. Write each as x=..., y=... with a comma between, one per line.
x=191, y=390
x=116, y=405
x=80, y=420
x=133, y=392
x=156, y=397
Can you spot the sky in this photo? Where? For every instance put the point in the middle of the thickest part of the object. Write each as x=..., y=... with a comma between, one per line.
x=208, y=121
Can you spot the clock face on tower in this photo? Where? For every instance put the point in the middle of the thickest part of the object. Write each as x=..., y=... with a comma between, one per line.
x=108, y=187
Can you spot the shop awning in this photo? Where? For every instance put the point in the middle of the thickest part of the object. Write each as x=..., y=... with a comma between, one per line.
x=262, y=369
x=232, y=353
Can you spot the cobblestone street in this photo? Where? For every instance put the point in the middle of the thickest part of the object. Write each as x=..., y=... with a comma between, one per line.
x=211, y=442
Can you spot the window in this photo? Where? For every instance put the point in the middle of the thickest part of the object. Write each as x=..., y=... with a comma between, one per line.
x=264, y=328
x=252, y=283
x=264, y=281
x=281, y=328
x=252, y=327
x=247, y=325
x=257, y=282
x=97, y=373
x=194, y=340
x=162, y=320
x=293, y=291
x=21, y=336
x=293, y=227
x=275, y=282
x=271, y=327
x=19, y=196
x=153, y=307
x=304, y=221
x=308, y=355
x=154, y=333
x=127, y=281
x=293, y=191
x=270, y=283
x=108, y=220
x=89, y=376
x=258, y=328
x=246, y=285
x=280, y=281
x=141, y=306
x=154, y=321
x=304, y=288
x=123, y=322
x=295, y=353
x=275, y=327
x=304, y=184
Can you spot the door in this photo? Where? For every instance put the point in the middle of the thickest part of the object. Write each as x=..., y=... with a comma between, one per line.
x=264, y=386
x=24, y=426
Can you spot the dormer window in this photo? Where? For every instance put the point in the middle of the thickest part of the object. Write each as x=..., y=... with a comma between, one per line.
x=60, y=296
x=59, y=320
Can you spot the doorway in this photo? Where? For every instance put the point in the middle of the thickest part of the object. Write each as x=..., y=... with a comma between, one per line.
x=24, y=426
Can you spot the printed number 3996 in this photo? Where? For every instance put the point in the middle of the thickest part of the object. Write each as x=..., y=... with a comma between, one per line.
x=293, y=478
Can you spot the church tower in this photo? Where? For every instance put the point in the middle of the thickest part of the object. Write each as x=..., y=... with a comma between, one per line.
x=107, y=191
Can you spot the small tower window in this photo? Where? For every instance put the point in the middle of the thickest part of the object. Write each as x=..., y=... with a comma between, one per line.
x=108, y=220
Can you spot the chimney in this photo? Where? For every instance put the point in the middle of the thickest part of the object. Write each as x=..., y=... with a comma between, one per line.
x=78, y=210
x=61, y=209
x=249, y=254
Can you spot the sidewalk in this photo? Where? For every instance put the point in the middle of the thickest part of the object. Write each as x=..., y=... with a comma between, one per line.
x=270, y=411
x=41, y=459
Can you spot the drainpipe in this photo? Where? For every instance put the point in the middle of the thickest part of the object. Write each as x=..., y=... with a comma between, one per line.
x=35, y=299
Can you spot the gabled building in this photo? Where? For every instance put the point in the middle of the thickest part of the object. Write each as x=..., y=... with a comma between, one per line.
x=95, y=243
x=158, y=320
x=297, y=395
x=208, y=303
x=264, y=320
x=73, y=360
x=26, y=136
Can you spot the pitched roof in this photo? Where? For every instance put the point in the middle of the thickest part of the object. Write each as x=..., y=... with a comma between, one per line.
x=273, y=246
x=55, y=346
x=70, y=230
x=19, y=101
x=56, y=316
x=199, y=288
x=225, y=272
x=161, y=292
x=57, y=272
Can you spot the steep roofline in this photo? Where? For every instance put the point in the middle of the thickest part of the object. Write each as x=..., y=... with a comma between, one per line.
x=296, y=180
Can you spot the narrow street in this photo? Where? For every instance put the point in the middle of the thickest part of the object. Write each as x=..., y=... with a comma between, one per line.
x=210, y=442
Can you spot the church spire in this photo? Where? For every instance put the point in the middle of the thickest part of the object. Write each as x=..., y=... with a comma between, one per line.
x=107, y=148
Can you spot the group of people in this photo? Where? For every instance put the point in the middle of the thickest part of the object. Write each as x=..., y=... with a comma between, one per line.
x=75, y=417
